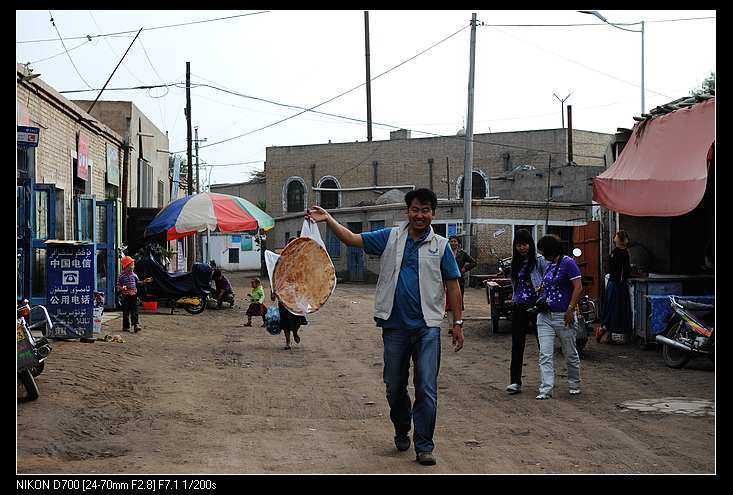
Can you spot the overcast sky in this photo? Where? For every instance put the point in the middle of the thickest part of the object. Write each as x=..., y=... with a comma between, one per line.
x=304, y=58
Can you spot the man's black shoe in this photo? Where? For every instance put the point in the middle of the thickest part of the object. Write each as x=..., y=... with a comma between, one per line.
x=426, y=458
x=402, y=442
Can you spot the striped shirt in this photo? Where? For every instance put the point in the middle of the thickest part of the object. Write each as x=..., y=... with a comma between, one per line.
x=129, y=280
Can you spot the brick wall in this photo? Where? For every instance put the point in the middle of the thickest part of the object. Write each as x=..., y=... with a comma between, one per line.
x=406, y=162
x=59, y=123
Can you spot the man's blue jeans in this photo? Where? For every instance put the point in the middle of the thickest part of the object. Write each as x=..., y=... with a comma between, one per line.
x=423, y=347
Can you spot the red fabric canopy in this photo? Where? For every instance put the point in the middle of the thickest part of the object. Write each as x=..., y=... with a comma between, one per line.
x=662, y=171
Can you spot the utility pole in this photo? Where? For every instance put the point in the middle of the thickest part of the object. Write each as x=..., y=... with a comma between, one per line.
x=642, y=68
x=570, y=133
x=562, y=107
x=199, y=243
x=190, y=255
x=368, y=77
x=549, y=173
x=447, y=175
x=468, y=156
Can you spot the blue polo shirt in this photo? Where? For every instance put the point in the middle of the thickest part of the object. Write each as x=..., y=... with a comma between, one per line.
x=406, y=310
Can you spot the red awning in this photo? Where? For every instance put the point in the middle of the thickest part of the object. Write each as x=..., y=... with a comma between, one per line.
x=663, y=169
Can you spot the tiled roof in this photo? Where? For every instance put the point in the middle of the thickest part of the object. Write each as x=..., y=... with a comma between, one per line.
x=677, y=104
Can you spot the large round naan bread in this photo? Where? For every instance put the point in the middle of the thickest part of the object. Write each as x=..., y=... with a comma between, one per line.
x=304, y=276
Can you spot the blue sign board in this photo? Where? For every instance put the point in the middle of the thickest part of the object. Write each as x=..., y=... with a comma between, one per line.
x=28, y=136
x=71, y=281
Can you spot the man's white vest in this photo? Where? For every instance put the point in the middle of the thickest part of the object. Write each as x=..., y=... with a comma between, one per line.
x=432, y=291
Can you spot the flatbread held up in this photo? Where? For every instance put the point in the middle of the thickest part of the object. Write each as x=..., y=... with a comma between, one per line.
x=304, y=276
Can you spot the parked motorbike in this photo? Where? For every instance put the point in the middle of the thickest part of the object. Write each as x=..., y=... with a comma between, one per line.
x=188, y=290
x=499, y=292
x=32, y=351
x=690, y=332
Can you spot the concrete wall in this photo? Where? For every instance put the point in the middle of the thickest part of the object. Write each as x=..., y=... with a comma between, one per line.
x=408, y=162
x=490, y=217
x=59, y=121
x=254, y=193
x=129, y=121
x=219, y=252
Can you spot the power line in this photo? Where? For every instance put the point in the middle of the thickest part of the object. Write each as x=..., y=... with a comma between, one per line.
x=162, y=114
x=58, y=54
x=87, y=36
x=337, y=96
x=114, y=52
x=147, y=86
x=67, y=51
x=595, y=23
x=581, y=64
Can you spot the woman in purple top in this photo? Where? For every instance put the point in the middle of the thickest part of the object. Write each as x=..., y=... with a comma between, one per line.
x=527, y=271
x=561, y=289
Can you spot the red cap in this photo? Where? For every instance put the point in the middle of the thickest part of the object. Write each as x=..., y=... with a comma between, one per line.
x=126, y=260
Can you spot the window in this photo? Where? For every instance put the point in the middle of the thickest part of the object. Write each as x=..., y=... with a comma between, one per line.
x=295, y=197
x=234, y=255
x=329, y=199
x=376, y=225
x=556, y=192
x=161, y=195
x=440, y=229
x=145, y=183
x=333, y=244
x=478, y=187
x=565, y=233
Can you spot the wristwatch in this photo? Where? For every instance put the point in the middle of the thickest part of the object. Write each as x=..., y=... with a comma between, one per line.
x=458, y=322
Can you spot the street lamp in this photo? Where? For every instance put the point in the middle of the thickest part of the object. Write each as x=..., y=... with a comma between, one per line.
x=597, y=14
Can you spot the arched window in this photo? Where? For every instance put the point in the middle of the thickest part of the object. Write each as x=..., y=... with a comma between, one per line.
x=294, y=195
x=478, y=186
x=329, y=199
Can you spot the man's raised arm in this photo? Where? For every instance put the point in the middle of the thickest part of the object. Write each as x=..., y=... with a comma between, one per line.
x=318, y=214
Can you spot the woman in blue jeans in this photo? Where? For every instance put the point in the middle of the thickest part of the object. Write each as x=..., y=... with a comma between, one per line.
x=561, y=289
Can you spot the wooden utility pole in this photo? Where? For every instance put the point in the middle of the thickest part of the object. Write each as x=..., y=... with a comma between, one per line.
x=368, y=77
x=468, y=157
x=190, y=255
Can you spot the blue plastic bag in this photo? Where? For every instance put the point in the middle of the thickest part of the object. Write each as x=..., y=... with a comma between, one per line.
x=272, y=317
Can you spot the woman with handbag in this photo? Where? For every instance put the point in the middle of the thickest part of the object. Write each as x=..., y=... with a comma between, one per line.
x=561, y=290
x=526, y=275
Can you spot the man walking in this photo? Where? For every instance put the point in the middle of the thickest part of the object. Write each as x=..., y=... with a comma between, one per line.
x=416, y=270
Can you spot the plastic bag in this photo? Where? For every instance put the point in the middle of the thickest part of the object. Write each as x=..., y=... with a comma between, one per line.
x=272, y=319
x=309, y=230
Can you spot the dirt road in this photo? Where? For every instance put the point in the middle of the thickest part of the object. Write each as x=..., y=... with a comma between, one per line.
x=203, y=394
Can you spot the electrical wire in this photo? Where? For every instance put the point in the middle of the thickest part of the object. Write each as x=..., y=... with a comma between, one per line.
x=58, y=54
x=647, y=90
x=596, y=23
x=146, y=29
x=337, y=96
x=67, y=51
x=114, y=52
x=160, y=107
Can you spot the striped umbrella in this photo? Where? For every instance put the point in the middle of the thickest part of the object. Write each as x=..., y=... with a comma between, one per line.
x=208, y=211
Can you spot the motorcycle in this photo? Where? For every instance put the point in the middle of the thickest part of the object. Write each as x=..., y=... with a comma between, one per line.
x=689, y=333
x=32, y=351
x=499, y=292
x=189, y=290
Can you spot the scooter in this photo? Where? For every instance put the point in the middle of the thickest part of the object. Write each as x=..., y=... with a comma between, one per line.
x=188, y=290
x=690, y=332
x=31, y=351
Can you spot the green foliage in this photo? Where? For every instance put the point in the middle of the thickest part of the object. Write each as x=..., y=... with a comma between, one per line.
x=257, y=177
x=708, y=86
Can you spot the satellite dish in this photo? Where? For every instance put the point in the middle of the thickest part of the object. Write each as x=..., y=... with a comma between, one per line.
x=577, y=252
